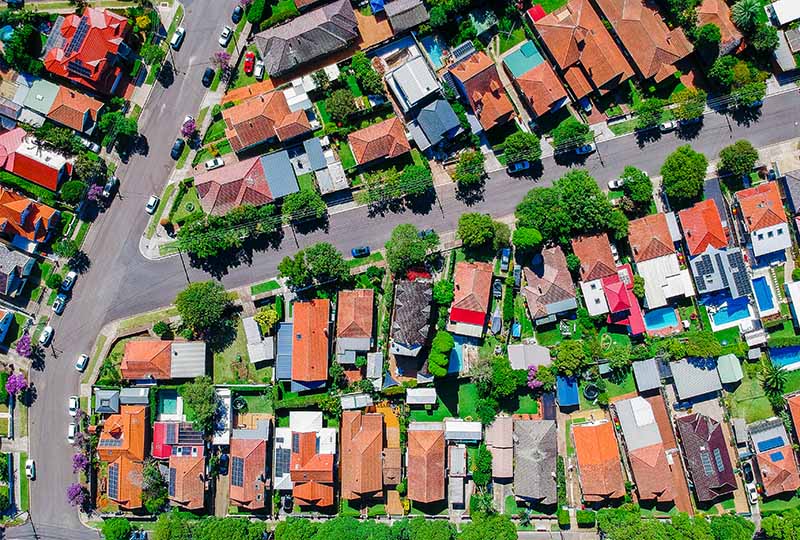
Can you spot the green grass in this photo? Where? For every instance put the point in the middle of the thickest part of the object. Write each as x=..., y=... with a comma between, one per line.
x=372, y=258
x=621, y=128
x=215, y=132
x=467, y=401
x=352, y=83
x=258, y=403
x=306, y=182
x=346, y=155
x=235, y=39
x=176, y=20
x=23, y=484
x=521, y=314
x=568, y=423
x=283, y=10
x=266, y=286
x=446, y=403
x=151, y=227
x=748, y=401
x=187, y=204
x=147, y=318
x=93, y=359
x=508, y=40
x=183, y=157
x=552, y=5
x=323, y=112
x=233, y=364
x=614, y=388
x=777, y=506
x=136, y=112
x=527, y=405
x=242, y=78
x=83, y=230
x=215, y=81
x=728, y=336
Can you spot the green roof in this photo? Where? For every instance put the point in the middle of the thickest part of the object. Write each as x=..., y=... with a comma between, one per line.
x=41, y=96
x=729, y=368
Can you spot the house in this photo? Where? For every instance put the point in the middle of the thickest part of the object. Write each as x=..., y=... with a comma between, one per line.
x=261, y=119
x=75, y=110
x=260, y=348
x=249, y=474
x=650, y=464
x=582, y=49
x=775, y=461
x=89, y=49
x=793, y=404
x=26, y=222
x=535, y=451
x=597, y=263
x=718, y=13
x=783, y=12
x=313, y=455
x=354, y=322
x=657, y=261
x=405, y=14
x=15, y=269
x=106, y=401
x=360, y=461
x=764, y=219
x=706, y=455
x=695, y=378
x=535, y=79
x=599, y=467
x=326, y=165
x=384, y=140
x=477, y=80
x=40, y=96
x=525, y=355
x=473, y=284
x=653, y=47
x=25, y=157
x=122, y=447
x=307, y=38
x=549, y=291
x=187, y=487
x=146, y=361
x=411, y=317
x=311, y=346
x=435, y=124
x=412, y=82
x=458, y=430
x=425, y=462
x=500, y=442
x=176, y=438
x=134, y=396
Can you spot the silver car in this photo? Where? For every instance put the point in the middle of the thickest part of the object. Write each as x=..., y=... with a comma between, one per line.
x=225, y=36
x=152, y=204
x=46, y=336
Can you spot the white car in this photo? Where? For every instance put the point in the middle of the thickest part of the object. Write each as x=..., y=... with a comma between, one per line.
x=215, y=163
x=93, y=146
x=152, y=204
x=752, y=493
x=73, y=404
x=225, y=36
x=46, y=336
x=177, y=38
x=666, y=127
x=258, y=72
x=69, y=281
x=186, y=119
x=72, y=429
x=83, y=361
x=616, y=183
x=30, y=469
x=585, y=149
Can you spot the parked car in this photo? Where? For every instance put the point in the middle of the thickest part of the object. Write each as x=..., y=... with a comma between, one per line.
x=287, y=503
x=72, y=429
x=425, y=233
x=752, y=494
x=249, y=62
x=208, y=77
x=497, y=288
x=152, y=204
x=177, y=38
x=177, y=148
x=518, y=167
x=616, y=183
x=690, y=121
x=69, y=281
x=46, y=336
x=83, y=361
x=666, y=127
x=361, y=251
x=30, y=469
x=111, y=185
x=586, y=149
x=505, y=259
x=259, y=71
x=93, y=146
x=225, y=36
x=59, y=304
x=223, y=464
x=747, y=470
x=215, y=163
x=237, y=14
x=73, y=404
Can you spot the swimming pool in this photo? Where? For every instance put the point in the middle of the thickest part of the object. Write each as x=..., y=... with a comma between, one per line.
x=733, y=310
x=457, y=354
x=523, y=59
x=785, y=357
x=764, y=296
x=661, y=318
x=435, y=46
x=167, y=402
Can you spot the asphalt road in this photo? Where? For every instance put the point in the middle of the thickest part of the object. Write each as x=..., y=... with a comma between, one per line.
x=120, y=282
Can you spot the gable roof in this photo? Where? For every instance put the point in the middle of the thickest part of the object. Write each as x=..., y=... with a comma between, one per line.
x=549, y=284
x=261, y=118
x=412, y=312
x=583, y=49
x=500, y=442
x=702, y=227
x=125, y=482
x=74, y=110
x=473, y=284
x=248, y=472
x=362, y=444
x=541, y=87
x=384, y=140
x=653, y=46
x=761, y=206
x=702, y=440
x=24, y=156
x=425, y=461
x=598, y=461
x=147, y=358
x=436, y=119
x=405, y=14
x=650, y=238
x=695, y=377
x=354, y=314
x=717, y=12
x=186, y=486
x=310, y=347
x=793, y=403
x=535, y=451
x=597, y=261
x=310, y=470
x=123, y=434
x=25, y=217
x=484, y=89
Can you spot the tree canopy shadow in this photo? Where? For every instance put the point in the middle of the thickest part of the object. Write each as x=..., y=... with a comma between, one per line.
x=28, y=396
x=689, y=131
x=423, y=203
x=648, y=135
x=471, y=195
x=746, y=116
x=166, y=74
x=80, y=262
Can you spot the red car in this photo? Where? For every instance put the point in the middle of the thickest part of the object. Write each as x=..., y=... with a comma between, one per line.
x=249, y=62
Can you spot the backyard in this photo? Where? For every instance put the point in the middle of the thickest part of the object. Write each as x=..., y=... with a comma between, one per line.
x=748, y=400
x=233, y=364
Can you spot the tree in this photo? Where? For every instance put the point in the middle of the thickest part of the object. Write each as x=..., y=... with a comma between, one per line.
x=707, y=39
x=66, y=248
x=116, y=529
x=439, y=16
x=504, y=379
x=94, y=192
x=486, y=410
x=648, y=113
x=152, y=54
x=414, y=181
x=749, y=94
x=765, y=39
x=406, y=249
x=162, y=329
x=638, y=287
x=730, y=526
x=172, y=525
x=721, y=72
x=782, y=526
x=189, y=128
x=443, y=292
x=200, y=397
x=737, y=159
x=542, y=209
x=154, y=488
x=23, y=347
x=318, y=264
x=213, y=235
x=89, y=167
x=682, y=527
x=470, y=169
x=570, y=133
x=16, y=384
x=302, y=205
x=80, y=463
x=573, y=263
x=439, y=357
x=420, y=528
x=266, y=319
x=502, y=235
x=570, y=357
x=522, y=146
x=744, y=14
x=475, y=230
x=690, y=103
x=321, y=81
x=588, y=208
x=773, y=379
x=22, y=51
x=618, y=356
x=340, y=105
x=526, y=239
x=214, y=528
x=221, y=60
x=481, y=467
x=77, y=495
x=494, y=526
x=682, y=174
x=638, y=187
x=368, y=79
x=202, y=305
x=256, y=12
x=72, y=191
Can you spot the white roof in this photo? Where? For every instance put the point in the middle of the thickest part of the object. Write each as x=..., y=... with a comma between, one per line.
x=412, y=82
x=638, y=423
x=455, y=429
x=663, y=279
x=283, y=441
x=222, y=429
x=29, y=149
x=327, y=440
x=356, y=401
x=793, y=291
x=594, y=297
x=786, y=11
x=305, y=421
x=297, y=99
x=421, y=396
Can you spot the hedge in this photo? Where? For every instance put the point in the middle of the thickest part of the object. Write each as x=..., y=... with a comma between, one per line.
x=3, y=391
x=788, y=341
x=563, y=518
x=585, y=518
x=299, y=402
x=29, y=188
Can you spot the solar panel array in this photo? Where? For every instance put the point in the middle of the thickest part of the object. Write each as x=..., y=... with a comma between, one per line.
x=718, y=460
x=113, y=481
x=770, y=444
x=707, y=468
x=80, y=36
x=720, y=266
x=296, y=443
x=171, y=487
x=172, y=434
x=776, y=456
x=283, y=458
x=740, y=278
x=188, y=435
x=237, y=471
x=110, y=443
x=76, y=66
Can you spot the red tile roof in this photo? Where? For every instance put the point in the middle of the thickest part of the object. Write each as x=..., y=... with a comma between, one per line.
x=616, y=294
x=384, y=140
x=129, y=483
x=189, y=485
x=45, y=171
x=583, y=48
x=122, y=447
x=354, y=313
x=95, y=55
x=253, y=453
x=702, y=227
x=717, y=12
x=761, y=206
x=74, y=110
x=652, y=473
x=484, y=90
x=311, y=346
x=261, y=118
x=794, y=410
x=654, y=47
x=25, y=217
x=362, y=444
x=597, y=261
x=778, y=470
x=313, y=494
x=426, y=465
x=598, y=461
x=311, y=472
x=473, y=287
x=549, y=283
x=147, y=358
x=541, y=88
x=226, y=188
x=650, y=238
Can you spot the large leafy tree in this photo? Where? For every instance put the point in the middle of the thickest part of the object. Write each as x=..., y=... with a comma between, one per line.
x=749, y=94
x=570, y=357
x=765, y=38
x=368, y=79
x=211, y=235
x=406, y=248
x=569, y=133
x=521, y=146
x=481, y=467
x=731, y=527
x=648, y=113
x=340, y=105
x=707, y=39
x=783, y=526
x=213, y=528
x=172, y=526
x=526, y=239
x=202, y=305
x=638, y=187
x=116, y=529
x=682, y=174
x=296, y=529
x=89, y=167
x=200, y=397
x=302, y=205
x=492, y=526
x=318, y=264
x=475, y=229
x=22, y=51
x=470, y=169
x=737, y=159
x=588, y=208
x=414, y=181
x=543, y=210
x=689, y=103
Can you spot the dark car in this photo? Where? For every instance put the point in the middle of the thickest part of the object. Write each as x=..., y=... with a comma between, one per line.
x=111, y=185
x=747, y=469
x=208, y=77
x=223, y=464
x=287, y=503
x=497, y=288
x=425, y=233
x=177, y=148
x=361, y=251
x=237, y=14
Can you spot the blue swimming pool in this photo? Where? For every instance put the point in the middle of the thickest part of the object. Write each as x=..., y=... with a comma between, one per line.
x=732, y=311
x=168, y=402
x=457, y=354
x=766, y=301
x=435, y=46
x=661, y=318
x=785, y=357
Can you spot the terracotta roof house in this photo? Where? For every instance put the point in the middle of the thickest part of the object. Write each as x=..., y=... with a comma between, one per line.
x=500, y=442
x=384, y=140
x=549, y=289
x=535, y=452
x=775, y=459
x=25, y=221
x=313, y=453
x=717, y=12
x=313, y=35
x=793, y=403
x=542, y=90
x=263, y=118
x=706, y=455
x=75, y=110
x=122, y=446
x=354, y=321
x=411, y=318
x=23, y=156
x=249, y=474
x=361, y=461
x=583, y=50
x=657, y=261
x=468, y=312
x=186, y=487
x=425, y=462
x=150, y=360
x=764, y=219
x=477, y=80
x=598, y=461
x=15, y=269
x=311, y=345
x=89, y=49
x=597, y=262
x=702, y=227
x=655, y=48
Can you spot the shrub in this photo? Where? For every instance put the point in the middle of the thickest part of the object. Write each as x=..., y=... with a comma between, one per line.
x=563, y=518
x=54, y=280
x=796, y=274
x=585, y=518
x=162, y=329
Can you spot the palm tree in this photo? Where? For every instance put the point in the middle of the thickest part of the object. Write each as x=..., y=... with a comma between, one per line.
x=773, y=378
x=744, y=14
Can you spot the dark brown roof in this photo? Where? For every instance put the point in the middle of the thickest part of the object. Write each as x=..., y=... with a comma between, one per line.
x=701, y=441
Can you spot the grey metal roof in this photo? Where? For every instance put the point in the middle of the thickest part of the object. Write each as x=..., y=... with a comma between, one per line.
x=357, y=400
x=412, y=82
x=535, y=450
x=134, y=396
x=729, y=368
x=283, y=360
x=455, y=491
x=646, y=374
x=460, y=430
x=405, y=14
x=791, y=183
x=672, y=225
x=316, y=157
x=374, y=365
x=41, y=96
x=280, y=174
x=638, y=423
x=524, y=355
x=106, y=401
x=421, y=396
x=259, y=349
x=436, y=119
x=188, y=359
x=713, y=190
x=457, y=461
x=695, y=378
x=739, y=430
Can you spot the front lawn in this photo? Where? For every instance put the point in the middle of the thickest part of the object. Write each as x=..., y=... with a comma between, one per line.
x=306, y=182
x=346, y=155
x=23, y=484
x=151, y=227
x=186, y=205
x=215, y=132
x=467, y=401
x=370, y=259
x=241, y=78
x=266, y=286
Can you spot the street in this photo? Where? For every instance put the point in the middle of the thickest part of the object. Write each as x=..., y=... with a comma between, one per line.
x=120, y=282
